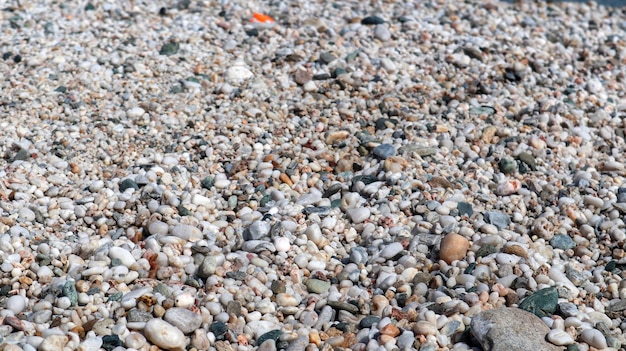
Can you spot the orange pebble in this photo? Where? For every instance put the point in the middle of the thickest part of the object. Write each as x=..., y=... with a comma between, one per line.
x=261, y=18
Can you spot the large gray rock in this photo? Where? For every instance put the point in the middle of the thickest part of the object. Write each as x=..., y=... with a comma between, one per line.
x=511, y=329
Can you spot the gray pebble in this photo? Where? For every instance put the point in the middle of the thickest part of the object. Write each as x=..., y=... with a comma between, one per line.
x=183, y=319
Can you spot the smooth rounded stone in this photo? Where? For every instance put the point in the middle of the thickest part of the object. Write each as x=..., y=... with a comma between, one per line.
x=510, y=329
x=406, y=340
x=391, y=250
x=343, y=306
x=134, y=340
x=299, y=344
x=257, y=230
x=381, y=32
x=425, y=328
x=135, y=112
x=508, y=187
x=123, y=255
x=369, y=321
x=53, y=342
x=26, y=214
x=286, y=300
x=453, y=247
x=507, y=165
x=372, y=20
x=187, y=232
x=383, y=151
x=594, y=338
x=358, y=215
x=317, y=286
x=158, y=228
x=560, y=337
x=128, y=184
x=16, y=303
x=183, y=319
x=499, y=219
x=164, y=335
x=94, y=344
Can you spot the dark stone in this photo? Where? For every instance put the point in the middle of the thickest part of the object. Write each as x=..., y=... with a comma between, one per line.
x=109, y=342
x=252, y=32
x=236, y=275
x=326, y=58
x=169, y=49
x=270, y=335
x=127, y=184
x=465, y=208
x=542, y=303
x=183, y=211
x=372, y=20
x=507, y=165
x=383, y=151
x=332, y=190
x=5, y=289
x=369, y=321
x=218, y=329
x=321, y=76
x=610, y=267
x=21, y=155
x=486, y=250
x=529, y=160
x=207, y=182
x=278, y=287
x=337, y=72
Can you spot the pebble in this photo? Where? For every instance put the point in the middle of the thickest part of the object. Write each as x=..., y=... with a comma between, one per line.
x=183, y=319
x=510, y=328
x=453, y=247
x=16, y=304
x=559, y=337
x=594, y=338
x=164, y=335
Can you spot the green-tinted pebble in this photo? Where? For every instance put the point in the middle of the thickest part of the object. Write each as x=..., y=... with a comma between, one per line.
x=542, y=303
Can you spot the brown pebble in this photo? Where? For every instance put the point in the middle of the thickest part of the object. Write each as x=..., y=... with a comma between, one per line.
x=390, y=330
x=395, y=164
x=302, y=75
x=516, y=250
x=285, y=179
x=488, y=134
x=453, y=247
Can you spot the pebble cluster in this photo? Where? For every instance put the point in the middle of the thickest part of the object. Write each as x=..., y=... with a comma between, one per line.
x=380, y=176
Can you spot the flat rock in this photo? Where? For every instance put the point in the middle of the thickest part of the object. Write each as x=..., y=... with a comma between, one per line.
x=511, y=329
x=183, y=319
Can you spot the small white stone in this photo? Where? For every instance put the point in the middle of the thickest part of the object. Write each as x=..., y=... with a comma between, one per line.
x=63, y=302
x=53, y=342
x=26, y=214
x=560, y=337
x=286, y=300
x=391, y=250
x=358, y=215
x=158, y=228
x=187, y=232
x=310, y=86
x=200, y=200
x=123, y=255
x=135, y=112
x=16, y=303
x=594, y=338
x=282, y=244
x=91, y=344
x=184, y=300
x=164, y=335
x=238, y=73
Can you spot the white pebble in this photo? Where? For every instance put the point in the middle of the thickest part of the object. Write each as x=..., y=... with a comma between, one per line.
x=164, y=335
x=594, y=338
x=560, y=337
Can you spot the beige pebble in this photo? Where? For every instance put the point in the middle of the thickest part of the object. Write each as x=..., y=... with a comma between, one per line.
x=453, y=247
